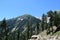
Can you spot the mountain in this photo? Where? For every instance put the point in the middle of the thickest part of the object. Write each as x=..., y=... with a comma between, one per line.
x=19, y=23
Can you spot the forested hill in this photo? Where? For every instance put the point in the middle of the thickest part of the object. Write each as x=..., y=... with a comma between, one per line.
x=23, y=27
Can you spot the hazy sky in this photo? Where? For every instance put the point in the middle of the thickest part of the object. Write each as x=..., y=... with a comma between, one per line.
x=14, y=8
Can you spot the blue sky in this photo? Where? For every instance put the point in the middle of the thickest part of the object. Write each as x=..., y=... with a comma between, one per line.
x=14, y=8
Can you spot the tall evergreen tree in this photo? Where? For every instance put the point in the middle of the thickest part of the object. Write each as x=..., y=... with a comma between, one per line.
x=28, y=29
x=51, y=15
x=56, y=18
x=43, y=23
x=4, y=27
x=18, y=36
x=45, y=20
x=37, y=28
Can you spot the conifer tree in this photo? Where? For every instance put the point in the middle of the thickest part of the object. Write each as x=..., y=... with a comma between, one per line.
x=27, y=33
x=18, y=36
x=37, y=27
x=51, y=15
x=4, y=27
x=42, y=23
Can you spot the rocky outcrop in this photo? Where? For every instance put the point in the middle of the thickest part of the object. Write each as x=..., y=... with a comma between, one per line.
x=50, y=37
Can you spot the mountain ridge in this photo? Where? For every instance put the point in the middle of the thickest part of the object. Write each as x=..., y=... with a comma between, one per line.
x=19, y=23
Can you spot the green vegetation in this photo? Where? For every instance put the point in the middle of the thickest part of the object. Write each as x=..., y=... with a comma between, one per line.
x=29, y=25
x=57, y=33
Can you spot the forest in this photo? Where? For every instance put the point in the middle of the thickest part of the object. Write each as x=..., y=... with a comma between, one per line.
x=48, y=21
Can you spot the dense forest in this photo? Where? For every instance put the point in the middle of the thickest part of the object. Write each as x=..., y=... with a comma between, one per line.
x=49, y=20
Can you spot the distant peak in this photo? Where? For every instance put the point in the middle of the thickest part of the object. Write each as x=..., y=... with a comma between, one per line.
x=26, y=15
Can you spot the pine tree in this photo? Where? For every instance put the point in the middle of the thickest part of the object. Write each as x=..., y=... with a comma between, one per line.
x=51, y=15
x=18, y=36
x=30, y=27
x=56, y=18
x=42, y=23
x=4, y=27
x=27, y=32
x=45, y=20
x=37, y=28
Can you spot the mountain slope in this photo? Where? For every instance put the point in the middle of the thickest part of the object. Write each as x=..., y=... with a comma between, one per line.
x=19, y=23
